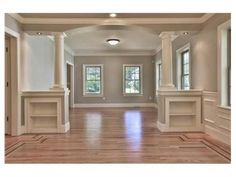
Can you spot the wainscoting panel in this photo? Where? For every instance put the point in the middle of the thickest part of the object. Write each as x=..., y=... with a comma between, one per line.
x=217, y=120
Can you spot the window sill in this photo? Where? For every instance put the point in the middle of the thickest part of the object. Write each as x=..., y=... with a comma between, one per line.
x=132, y=94
x=224, y=107
x=92, y=95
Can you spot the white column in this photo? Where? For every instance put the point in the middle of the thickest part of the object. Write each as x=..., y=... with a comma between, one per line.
x=166, y=61
x=59, y=61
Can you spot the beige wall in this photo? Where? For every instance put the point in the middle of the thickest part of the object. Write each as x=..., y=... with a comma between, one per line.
x=203, y=54
x=113, y=79
x=38, y=63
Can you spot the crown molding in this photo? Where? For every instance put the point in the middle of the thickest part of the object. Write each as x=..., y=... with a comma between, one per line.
x=69, y=50
x=17, y=17
x=158, y=49
x=107, y=21
x=205, y=17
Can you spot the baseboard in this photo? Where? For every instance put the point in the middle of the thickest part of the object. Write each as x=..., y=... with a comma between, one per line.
x=23, y=129
x=162, y=127
x=101, y=105
x=217, y=134
x=65, y=127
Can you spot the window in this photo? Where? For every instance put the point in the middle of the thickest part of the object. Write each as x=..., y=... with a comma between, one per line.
x=92, y=82
x=229, y=66
x=224, y=60
x=132, y=75
x=183, y=67
x=185, y=70
x=158, y=75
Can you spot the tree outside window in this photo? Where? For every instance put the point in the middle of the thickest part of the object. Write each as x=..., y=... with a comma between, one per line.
x=132, y=81
x=92, y=80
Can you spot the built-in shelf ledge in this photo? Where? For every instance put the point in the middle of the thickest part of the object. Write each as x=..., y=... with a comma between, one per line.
x=45, y=92
x=46, y=111
x=43, y=115
x=179, y=110
x=182, y=114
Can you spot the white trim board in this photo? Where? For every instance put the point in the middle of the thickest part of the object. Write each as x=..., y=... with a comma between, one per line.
x=118, y=105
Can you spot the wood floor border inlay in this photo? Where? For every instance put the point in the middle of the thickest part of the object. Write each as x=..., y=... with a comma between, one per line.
x=115, y=135
x=36, y=139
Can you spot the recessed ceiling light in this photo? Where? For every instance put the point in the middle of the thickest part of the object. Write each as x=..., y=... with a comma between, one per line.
x=113, y=41
x=39, y=33
x=113, y=15
x=185, y=33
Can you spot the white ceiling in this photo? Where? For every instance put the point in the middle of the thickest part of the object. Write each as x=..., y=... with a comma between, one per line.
x=93, y=39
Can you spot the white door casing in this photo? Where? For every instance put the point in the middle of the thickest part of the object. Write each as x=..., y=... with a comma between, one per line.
x=7, y=86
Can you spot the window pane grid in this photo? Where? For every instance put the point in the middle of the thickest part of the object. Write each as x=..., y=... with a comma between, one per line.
x=93, y=73
x=185, y=70
x=132, y=79
x=93, y=79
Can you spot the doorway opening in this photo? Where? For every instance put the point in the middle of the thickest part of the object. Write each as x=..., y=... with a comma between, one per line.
x=13, y=122
x=7, y=86
x=70, y=82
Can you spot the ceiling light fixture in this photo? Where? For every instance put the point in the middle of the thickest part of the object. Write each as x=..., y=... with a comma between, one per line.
x=185, y=33
x=113, y=15
x=113, y=41
x=39, y=33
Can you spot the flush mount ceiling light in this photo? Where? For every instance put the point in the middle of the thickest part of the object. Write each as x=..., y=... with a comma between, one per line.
x=113, y=41
x=185, y=33
x=113, y=15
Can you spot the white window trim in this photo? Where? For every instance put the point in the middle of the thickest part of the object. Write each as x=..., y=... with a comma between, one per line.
x=222, y=83
x=102, y=86
x=179, y=67
x=141, y=80
x=157, y=76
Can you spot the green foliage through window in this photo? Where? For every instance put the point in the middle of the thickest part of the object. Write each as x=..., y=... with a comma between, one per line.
x=93, y=79
x=185, y=70
x=132, y=79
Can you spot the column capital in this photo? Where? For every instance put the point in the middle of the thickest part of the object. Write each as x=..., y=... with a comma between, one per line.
x=168, y=35
x=59, y=34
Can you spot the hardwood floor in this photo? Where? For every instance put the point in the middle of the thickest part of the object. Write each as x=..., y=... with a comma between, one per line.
x=115, y=135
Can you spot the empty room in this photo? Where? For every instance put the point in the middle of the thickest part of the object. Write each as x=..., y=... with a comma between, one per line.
x=117, y=88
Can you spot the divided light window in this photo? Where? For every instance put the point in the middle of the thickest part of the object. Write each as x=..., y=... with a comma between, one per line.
x=92, y=80
x=185, y=70
x=229, y=67
x=132, y=79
